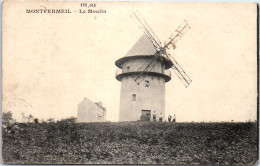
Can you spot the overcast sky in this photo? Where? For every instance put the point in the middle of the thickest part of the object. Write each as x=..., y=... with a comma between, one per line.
x=53, y=61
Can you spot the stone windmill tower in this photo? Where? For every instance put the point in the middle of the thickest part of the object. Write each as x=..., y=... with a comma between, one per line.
x=143, y=72
x=148, y=96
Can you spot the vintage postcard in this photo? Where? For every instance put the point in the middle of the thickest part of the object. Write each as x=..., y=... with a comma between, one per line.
x=92, y=82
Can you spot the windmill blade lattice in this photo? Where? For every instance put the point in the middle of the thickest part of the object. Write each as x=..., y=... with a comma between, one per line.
x=185, y=79
x=177, y=35
x=144, y=26
x=161, y=50
x=148, y=68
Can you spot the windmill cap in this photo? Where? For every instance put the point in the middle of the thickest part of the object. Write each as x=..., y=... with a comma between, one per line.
x=143, y=48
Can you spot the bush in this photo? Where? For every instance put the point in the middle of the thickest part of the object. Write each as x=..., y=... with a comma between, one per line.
x=132, y=143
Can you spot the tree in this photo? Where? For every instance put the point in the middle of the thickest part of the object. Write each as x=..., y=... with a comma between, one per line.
x=7, y=117
x=30, y=117
x=69, y=120
x=50, y=120
x=36, y=120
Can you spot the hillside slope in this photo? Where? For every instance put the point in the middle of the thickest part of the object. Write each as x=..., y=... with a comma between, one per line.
x=132, y=143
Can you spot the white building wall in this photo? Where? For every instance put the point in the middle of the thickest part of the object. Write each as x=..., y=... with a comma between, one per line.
x=90, y=112
x=147, y=98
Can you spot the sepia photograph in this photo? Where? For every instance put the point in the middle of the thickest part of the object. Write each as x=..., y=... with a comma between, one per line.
x=106, y=82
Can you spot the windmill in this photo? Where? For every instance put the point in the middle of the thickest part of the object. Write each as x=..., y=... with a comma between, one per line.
x=162, y=49
x=143, y=72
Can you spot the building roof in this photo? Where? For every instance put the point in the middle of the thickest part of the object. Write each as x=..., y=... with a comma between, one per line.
x=87, y=101
x=143, y=48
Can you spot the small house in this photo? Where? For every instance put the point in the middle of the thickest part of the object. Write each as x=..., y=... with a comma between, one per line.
x=89, y=111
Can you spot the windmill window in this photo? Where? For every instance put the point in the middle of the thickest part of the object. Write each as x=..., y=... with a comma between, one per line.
x=134, y=97
x=128, y=68
x=147, y=83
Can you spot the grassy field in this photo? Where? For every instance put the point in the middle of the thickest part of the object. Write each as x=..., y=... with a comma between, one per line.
x=132, y=143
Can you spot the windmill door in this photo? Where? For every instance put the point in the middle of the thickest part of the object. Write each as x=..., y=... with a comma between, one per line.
x=154, y=117
x=146, y=115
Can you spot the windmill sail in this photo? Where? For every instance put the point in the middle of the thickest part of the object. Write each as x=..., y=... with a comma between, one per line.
x=143, y=25
x=185, y=79
x=148, y=66
x=161, y=50
x=177, y=35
